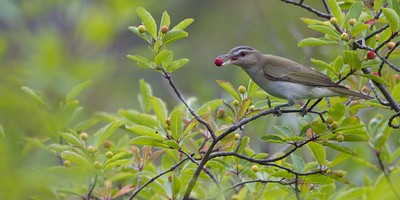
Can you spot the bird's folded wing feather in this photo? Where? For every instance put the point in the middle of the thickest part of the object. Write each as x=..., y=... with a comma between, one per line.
x=298, y=73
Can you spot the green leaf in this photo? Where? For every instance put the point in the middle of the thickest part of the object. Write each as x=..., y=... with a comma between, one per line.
x=145, y=93
x=339, y=159
x=243, y=144
x=176, y=64
x=176, y=186
x=274, y=138
x=145, y=131
x=284, y=130
x=318, y=128
x=84, y=125
x=324, y=29
x=252, y=88
x=322, y=64
x=37, y=96
x=183, y=24
x=338, y=64
x=227, y=86
x=209, y=106
x=193, y=123
x=176, y=124
x=337, y=111
x=146, y=140
x=76, y=90
x=139, y=118
x=159, y=109
x=352, y=59
x=309, y=21
x=172, y=143
x=318, y=152
x=340, y=148
x=355, y=11
x=394, y=4
x=118, y=156
x=117, y=163
x=378, y=4
x=315, y=42
x=353, y=193
x=244, y=106
x=336, y=11
x=298, y=162
x=164, y=58
x=3, y=138
x=174, y=35
x=141, y=61
x=104, y=133
x=75, y=158
x=72, y=139
x=165, y=20
x=396, y=92
x=148, y=21
x=392, y=18
x=380, y=189
x=358, y=28
x=135, y=30
x=375, y=79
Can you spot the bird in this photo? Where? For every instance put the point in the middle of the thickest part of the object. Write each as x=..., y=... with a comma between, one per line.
x=284, y=78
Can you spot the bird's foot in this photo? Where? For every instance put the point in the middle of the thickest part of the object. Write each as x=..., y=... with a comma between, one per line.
x=303, y=111
x=277, y=111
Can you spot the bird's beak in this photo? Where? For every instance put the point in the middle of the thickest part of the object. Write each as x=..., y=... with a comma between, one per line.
x=227, y=58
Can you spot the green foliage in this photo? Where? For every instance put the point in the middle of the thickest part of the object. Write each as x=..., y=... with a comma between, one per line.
x=162, y=150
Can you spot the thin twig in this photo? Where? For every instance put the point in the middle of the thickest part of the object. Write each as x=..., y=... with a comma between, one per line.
x=156, y=177
x=205, y=169
x=309, y=8
x=239, y=141
x=91, y=187
x=180, y=96
x=258, y=181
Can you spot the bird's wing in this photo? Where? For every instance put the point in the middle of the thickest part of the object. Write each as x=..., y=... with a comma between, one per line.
x=298, y=73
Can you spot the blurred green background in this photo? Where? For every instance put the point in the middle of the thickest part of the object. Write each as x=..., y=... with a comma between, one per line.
x=53, y=45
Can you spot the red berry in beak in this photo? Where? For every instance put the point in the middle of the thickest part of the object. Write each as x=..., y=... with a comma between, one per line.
x=219, y=61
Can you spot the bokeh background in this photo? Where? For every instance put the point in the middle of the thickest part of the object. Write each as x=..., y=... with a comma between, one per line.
x=53, y=45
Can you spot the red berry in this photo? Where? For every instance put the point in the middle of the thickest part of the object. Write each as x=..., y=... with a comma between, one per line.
x=219, y=61
x=371, y=55
x=164, y=29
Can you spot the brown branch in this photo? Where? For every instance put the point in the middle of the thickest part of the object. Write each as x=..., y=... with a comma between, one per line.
x=309, y=8
x=180, y=96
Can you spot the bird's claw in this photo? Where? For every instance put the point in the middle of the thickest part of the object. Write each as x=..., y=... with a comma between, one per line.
x=277, y=111
x=303, y=111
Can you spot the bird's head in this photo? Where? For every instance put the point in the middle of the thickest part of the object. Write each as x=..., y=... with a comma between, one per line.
x=243, y=56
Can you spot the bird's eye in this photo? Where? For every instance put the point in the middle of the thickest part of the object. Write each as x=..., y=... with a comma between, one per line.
x=242, y=53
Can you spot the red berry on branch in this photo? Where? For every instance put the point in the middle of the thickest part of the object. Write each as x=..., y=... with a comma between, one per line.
x=219, y=61
x=164, y=29
x=371, y=55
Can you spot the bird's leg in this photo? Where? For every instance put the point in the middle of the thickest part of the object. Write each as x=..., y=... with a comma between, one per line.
x=303, y=109
x=269, y=103
x=277, y=108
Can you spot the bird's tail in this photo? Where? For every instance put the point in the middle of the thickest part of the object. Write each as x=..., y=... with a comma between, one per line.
x=346, y=92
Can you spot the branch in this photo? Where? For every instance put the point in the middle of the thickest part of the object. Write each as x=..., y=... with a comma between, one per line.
x=309, y=8
x=258, y=181
x=205, y=169
x=261, y=161
x=180, y=96
x=156, y=177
